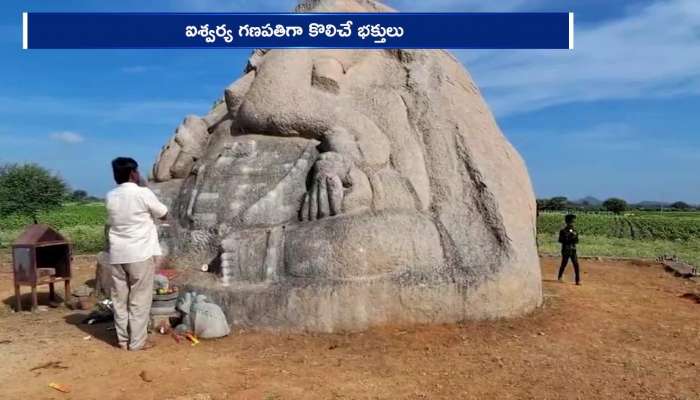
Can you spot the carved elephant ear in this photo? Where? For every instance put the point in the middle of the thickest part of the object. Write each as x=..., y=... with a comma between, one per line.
x=234, y=93
x=188, y=144
x=166, y=159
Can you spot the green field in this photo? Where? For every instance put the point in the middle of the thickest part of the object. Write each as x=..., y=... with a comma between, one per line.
x=635, y=234
x=83, y=224
x=638, y=235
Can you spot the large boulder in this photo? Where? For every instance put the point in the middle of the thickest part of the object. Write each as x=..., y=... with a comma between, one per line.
x=342, y=189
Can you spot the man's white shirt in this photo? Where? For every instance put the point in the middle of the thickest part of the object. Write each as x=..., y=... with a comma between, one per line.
x=133, y=236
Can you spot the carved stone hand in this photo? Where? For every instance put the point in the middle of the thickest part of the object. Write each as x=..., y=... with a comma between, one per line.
x=325, y=195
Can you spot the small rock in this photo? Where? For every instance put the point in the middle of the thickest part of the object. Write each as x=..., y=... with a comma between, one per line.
x=146, y=377
x=82, y=291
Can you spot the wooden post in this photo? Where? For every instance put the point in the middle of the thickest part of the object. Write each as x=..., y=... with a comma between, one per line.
x=52, y=292
x=35, y=300
x=67, y=292
x=18, y=299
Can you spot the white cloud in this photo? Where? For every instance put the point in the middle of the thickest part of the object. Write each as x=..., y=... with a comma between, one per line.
x=650, y=54
x=67, y=137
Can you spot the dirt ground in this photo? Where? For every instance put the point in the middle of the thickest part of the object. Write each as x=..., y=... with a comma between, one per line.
x=627, y=333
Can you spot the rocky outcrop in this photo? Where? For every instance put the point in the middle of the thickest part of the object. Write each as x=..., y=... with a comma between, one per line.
x=343, y=189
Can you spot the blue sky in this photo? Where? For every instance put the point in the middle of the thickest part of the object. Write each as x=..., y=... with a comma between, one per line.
x=618, y=116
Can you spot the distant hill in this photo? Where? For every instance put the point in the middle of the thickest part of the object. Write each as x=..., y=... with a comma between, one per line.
x=590, y=200
x=652, y=204
x=594, y=202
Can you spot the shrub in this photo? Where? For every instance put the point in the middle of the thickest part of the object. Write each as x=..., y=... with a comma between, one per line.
x=28, y=189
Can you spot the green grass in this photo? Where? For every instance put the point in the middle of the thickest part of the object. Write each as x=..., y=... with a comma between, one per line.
x=638, y=226
x=604, y=246
x=82, y=224
x=634, y=235
x=71, y=214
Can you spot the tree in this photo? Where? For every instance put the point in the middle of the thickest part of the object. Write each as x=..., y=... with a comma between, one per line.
x=558, y=203
x=27, y=189
x=680, y=205
x=79, y=195
x=618, y=206
x=554, y=204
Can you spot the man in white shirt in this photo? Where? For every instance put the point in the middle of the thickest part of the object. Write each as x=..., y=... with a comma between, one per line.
x=133, y=241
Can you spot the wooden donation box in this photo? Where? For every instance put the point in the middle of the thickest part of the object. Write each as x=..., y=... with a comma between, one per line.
x=41, y=256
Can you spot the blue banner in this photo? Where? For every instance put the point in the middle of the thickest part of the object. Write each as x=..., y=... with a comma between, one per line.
x=306, y=30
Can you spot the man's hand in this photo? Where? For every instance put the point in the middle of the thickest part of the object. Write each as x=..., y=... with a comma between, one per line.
x=106, y=233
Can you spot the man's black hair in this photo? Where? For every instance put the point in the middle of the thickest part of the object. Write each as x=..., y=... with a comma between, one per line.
x=122, y=167
x=569, y=218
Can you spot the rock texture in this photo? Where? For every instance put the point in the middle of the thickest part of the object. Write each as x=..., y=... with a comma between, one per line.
x=335, y=190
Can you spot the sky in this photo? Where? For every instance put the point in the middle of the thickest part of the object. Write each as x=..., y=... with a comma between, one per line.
x=617, y=116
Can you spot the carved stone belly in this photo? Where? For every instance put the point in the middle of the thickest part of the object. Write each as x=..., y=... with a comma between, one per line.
x=256, y=181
